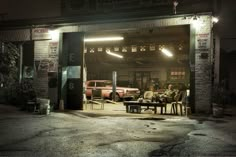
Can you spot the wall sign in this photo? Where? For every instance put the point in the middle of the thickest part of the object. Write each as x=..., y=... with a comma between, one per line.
x=203, y=41
x=40, y=34
x=53, y=50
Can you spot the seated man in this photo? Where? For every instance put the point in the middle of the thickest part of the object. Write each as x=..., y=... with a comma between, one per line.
x=169, y=94
x=150, y=96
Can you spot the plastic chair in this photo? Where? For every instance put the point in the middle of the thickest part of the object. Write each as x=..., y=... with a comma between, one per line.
x=97, y=98
x=180, y=102
x=85, y=101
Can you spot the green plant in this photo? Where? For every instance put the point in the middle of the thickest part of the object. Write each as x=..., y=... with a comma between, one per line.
x=9, y=55
x=20, y=93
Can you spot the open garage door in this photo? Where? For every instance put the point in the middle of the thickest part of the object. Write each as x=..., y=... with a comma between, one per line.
x=143, y=62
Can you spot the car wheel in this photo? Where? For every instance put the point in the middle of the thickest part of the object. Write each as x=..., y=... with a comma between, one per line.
x=117, y=97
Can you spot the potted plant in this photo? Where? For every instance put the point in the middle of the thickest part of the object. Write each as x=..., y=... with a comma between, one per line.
x=218, y=97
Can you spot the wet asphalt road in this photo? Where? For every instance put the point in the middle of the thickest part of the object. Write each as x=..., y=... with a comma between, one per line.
x=81, y=135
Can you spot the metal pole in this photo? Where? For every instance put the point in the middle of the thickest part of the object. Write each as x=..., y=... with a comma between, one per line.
x=21, y=63
x=114, y=76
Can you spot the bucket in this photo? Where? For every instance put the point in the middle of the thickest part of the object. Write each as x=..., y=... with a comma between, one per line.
x=218, y=111
x=47, y=109
x=188, y=111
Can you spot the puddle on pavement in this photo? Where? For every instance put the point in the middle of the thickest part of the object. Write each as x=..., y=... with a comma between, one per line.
x=151, y=118
x=199, y=134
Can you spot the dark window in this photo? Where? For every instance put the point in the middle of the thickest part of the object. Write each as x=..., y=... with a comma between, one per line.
x=100, y=84
x=28, y=54
x=108, y=83
x=92, y=84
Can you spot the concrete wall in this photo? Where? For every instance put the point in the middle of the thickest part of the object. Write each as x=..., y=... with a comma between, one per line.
x=128, y=74
x=203, y=66
x=41, y=76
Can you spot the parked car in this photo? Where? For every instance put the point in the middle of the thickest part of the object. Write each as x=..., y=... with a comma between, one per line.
x=106, y=87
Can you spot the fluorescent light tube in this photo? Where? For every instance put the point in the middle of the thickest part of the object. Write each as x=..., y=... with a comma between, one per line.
x=103, y=39
x=114, y=54
x=166, y=52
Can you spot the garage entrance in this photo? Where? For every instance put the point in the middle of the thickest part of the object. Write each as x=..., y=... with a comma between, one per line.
x=143, y=63
x=174, y=50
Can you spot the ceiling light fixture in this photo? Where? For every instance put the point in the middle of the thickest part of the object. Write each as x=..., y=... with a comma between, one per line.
x=195, y=17
x=103, y=39
x=54, y=34
x=113, y=54
x=215, y=19
x=175, y=3
x=167, y=52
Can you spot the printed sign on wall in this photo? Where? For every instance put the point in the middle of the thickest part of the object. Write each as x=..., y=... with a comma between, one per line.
x=53, y=50
x=40, y=34
x=203, y=41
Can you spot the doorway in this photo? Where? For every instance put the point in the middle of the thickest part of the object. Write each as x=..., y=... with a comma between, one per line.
x=142, y=80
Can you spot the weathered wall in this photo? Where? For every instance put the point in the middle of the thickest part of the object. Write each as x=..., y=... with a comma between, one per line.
x=46, y=60
x=203, y=66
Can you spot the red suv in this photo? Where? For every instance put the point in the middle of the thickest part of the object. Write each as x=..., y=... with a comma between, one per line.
x=106, y=87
